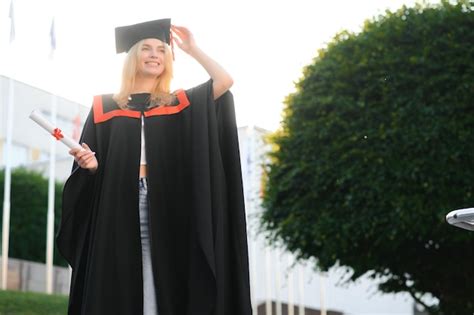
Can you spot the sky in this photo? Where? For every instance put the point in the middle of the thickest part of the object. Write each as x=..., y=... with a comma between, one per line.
x=263, y=44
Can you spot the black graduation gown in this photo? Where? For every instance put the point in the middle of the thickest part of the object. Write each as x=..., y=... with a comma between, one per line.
x=196, y=210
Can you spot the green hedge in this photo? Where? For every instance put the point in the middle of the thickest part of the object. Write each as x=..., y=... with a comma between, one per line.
x=28, y=215
x=376, y=147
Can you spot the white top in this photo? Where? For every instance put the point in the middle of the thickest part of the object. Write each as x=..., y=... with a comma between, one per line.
x=143, y=153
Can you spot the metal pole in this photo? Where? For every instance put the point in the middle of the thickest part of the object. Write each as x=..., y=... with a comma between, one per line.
x=301, y=310
x=268, y=283
x=322, y=297
x=51, y=192
x=291, y=310
x=7, y=185
x=278, y=282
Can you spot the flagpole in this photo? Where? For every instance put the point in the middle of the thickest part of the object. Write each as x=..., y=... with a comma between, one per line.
x=301, y=309
x=8, y=153
x=52, y=178
x=252, y=238
x=51, y=193
x=7, y=185
x=291, y=310
x=253, y=276
x=278, y=282
x=322, y=294
x=268, y=283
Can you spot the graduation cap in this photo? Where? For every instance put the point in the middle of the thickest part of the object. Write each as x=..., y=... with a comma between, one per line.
x=129, y=35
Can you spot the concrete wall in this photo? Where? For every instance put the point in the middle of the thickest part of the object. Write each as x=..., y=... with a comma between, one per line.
x=31, y=276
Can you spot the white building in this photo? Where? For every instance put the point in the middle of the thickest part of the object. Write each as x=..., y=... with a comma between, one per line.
x=31, y=143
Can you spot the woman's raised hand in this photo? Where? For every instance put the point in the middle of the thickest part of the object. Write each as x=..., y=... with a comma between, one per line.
x=85, y=158
x=183, y=38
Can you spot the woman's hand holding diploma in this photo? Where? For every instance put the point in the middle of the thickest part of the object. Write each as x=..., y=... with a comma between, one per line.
x=85, y=158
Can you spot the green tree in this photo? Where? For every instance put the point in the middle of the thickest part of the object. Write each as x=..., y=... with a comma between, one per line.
x=376, y=147
x=28, y=215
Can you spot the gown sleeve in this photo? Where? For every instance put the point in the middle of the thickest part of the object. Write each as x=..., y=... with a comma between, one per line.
x=78, y=195
x=222, y=229
x=237, y=230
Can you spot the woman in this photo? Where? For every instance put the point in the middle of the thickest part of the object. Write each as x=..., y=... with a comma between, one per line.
x=153, y=219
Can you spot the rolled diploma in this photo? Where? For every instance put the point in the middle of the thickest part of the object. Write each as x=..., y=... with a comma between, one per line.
x=37, y=117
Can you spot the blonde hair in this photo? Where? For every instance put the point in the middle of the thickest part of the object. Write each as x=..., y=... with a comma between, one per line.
x=160, y=93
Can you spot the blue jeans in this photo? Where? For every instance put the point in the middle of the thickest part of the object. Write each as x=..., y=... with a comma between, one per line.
x=149, y=296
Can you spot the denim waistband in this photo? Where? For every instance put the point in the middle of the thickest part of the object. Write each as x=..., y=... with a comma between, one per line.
x=142, y=182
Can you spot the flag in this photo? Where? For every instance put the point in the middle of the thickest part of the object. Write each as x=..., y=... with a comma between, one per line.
x=8, y=166
x=11, y=15
x=76, y=132
x=52, y=35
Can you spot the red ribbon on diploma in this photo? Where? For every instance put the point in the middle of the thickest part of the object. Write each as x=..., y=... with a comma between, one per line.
x=57, y=134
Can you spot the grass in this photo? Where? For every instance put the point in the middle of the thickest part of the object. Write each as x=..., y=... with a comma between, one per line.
x=32, y=303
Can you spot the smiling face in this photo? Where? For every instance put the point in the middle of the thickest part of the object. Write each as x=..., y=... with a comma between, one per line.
x=151, y=58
